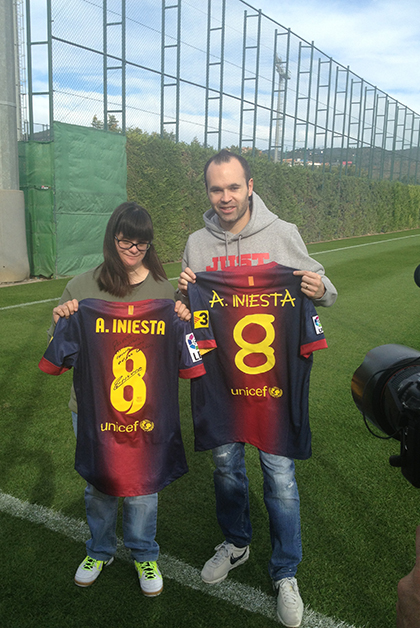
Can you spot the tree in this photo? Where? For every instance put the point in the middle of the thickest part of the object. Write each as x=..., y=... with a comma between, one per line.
x=96, y=123
x=113, y=124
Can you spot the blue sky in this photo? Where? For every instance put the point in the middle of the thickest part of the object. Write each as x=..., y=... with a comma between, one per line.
x=378, y=39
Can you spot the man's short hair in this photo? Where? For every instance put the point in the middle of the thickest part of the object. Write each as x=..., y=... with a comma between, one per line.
x=224, y=157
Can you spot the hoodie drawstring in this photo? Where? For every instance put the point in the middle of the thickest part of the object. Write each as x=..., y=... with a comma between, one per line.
x=226, y=249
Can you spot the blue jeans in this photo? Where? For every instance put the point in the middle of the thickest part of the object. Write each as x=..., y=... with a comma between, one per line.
x=139, y=522
x=281, y=498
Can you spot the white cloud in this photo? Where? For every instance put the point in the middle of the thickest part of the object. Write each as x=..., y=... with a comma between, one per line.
x=378, y=39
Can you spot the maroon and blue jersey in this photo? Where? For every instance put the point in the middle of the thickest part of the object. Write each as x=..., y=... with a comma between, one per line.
x=126, y=358
x=256, y=331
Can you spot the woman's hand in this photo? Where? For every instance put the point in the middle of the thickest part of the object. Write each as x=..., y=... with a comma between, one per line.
x=65, y=310
x=183, y=312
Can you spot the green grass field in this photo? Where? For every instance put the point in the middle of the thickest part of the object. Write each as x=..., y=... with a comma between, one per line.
x=358, y=514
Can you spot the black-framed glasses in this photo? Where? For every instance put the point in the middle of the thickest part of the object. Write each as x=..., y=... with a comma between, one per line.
x=126, y=245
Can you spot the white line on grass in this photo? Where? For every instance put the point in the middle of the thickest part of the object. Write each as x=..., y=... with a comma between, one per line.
x=11, y=307
x=247, y=598
x=357, y=246
x=343, y=248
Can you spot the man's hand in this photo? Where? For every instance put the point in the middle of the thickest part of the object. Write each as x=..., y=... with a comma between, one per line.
x=408, y=605
x=65, y=310
x=187, y=276
x=183, y=312
x=311, y=284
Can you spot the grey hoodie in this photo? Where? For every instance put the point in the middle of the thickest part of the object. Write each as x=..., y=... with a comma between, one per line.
x=266, y=238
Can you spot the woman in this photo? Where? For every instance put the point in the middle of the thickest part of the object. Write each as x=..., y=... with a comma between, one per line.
x=131, y=272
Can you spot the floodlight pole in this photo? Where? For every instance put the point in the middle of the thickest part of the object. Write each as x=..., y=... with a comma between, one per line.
x=283, y=76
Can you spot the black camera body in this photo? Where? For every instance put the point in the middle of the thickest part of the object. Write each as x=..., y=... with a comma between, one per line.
x=386, y=390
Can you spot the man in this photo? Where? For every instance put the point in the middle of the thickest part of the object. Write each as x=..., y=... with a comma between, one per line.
x=240, y=230
x=408, y=605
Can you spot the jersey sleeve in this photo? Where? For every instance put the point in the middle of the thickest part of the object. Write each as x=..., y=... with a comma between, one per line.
x=312, y=334
x=191, y=364
x=64, y=347
x=200, y=319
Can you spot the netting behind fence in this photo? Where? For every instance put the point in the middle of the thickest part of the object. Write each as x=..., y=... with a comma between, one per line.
x=226, y=74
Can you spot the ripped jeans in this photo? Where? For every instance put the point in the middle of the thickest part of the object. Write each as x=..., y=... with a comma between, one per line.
x=281, y=499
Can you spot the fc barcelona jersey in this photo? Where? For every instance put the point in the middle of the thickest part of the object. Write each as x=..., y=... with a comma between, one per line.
x=257, y=333
x=126, y=359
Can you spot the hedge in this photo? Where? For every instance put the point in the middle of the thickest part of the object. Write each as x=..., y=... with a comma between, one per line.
x=167, y=179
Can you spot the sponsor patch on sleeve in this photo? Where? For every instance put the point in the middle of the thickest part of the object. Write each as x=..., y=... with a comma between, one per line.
x=317, y=324
x=193, y=347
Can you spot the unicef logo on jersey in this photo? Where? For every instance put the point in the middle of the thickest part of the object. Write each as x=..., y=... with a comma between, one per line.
x=274, y=391
x=193, y=347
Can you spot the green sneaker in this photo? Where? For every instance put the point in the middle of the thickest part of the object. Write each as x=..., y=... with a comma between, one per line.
x=151, y=581
x=89, y=570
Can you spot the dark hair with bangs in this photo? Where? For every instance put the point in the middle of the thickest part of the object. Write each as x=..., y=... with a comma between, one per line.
x=133, y=222
x=224, y=157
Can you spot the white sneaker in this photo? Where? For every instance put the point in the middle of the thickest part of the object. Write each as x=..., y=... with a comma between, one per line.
x=89, y=570
x=151, y=581
x=227, y=557
x=289, y=602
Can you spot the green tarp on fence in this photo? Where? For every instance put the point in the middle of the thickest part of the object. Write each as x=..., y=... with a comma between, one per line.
x=71, y=186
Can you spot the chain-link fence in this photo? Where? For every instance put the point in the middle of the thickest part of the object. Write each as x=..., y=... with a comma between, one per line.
x=218, y=72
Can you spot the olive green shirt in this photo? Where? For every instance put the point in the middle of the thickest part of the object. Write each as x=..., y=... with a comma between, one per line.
x=85, y=286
